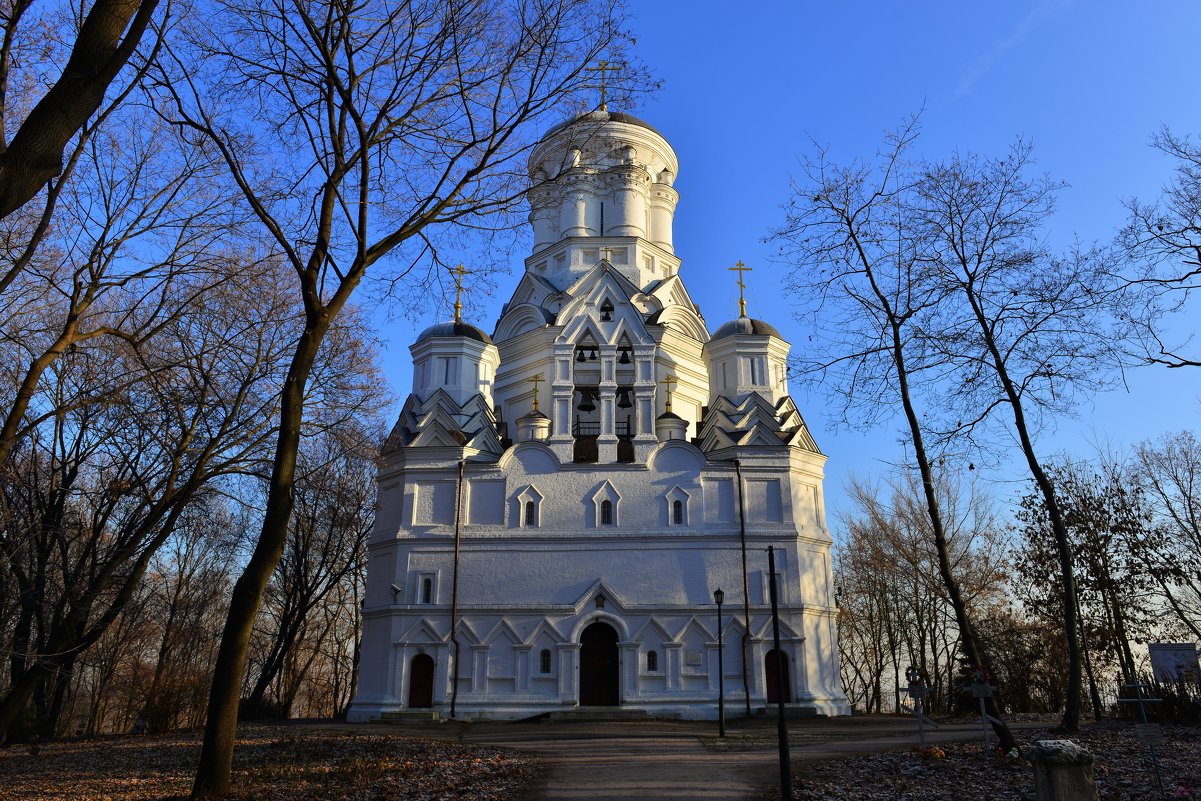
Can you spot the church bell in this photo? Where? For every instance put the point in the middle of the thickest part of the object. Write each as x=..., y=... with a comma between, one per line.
x=586, y=404
x=623, y=399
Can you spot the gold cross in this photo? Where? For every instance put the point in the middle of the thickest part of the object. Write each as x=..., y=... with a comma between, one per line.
x=605, y=253
x=667, y=382
x=536, y=380
x=602, y=67
x=458, y=273
x=738, y=268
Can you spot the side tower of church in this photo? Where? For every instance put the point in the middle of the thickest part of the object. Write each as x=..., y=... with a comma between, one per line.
x=558, y=501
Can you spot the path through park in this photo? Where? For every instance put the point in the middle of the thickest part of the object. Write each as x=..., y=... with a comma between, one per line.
x=643, y=760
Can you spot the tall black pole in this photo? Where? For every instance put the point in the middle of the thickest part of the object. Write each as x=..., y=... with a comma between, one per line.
x=781, y=725
x=721, y=672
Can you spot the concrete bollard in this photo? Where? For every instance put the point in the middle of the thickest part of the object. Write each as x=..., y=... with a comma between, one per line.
x=1063, y=771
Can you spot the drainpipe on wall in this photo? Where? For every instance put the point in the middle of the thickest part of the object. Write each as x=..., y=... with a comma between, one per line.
x=746, y=597
x=454, y=594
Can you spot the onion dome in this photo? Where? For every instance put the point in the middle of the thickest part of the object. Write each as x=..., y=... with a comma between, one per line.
x=743, y=326
x=454, y=329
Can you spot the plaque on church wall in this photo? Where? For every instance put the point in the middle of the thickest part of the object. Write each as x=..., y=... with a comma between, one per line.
x=695, y=658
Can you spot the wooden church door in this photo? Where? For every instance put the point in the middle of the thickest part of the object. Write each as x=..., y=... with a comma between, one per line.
x=777, y=684
x=421, y=682
x=599, y=681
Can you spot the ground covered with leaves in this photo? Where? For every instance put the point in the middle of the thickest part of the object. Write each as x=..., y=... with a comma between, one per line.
x=953, y=772
x=269, y=763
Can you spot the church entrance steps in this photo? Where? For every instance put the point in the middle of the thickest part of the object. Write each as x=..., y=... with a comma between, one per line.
x=407, y=716
x=605, y=713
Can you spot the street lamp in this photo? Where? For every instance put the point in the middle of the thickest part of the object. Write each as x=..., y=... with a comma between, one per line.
x=718, y=597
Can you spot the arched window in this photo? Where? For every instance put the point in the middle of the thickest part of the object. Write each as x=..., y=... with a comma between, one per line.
x=544, y=661
x=677, y=512
x=606, y=513
x=652, y=661
x=531, y=513
x=427, y=591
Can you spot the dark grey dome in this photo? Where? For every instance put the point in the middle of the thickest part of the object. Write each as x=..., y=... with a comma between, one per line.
x=670, y=416
x=599, y=116
x=534, y=415
x=745, y=325
x=453, y=329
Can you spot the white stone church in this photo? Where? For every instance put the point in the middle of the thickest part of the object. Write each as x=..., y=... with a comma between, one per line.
x=558, y=501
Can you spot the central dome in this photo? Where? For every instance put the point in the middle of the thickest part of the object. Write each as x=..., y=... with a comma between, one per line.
x=599, y=116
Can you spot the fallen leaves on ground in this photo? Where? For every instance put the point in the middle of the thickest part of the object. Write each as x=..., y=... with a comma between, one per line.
x=1122, y=769
x=269, y=763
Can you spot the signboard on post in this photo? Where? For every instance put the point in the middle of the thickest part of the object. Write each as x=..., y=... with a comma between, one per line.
x=1174, y=661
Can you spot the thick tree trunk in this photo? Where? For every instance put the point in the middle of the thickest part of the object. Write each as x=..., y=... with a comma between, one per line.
x=216, y=755
x=108, y=37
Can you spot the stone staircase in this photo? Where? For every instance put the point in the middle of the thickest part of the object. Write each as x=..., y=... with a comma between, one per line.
x=410, y=716
x=604, y=713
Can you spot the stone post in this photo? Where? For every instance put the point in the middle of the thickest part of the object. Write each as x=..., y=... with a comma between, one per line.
x=1063, y=771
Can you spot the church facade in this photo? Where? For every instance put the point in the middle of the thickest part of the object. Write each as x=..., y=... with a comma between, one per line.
x=559, y=500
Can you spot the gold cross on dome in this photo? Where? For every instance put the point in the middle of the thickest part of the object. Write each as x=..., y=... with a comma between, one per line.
x=667, y=382
x=536, y=380
x=458, y=273
x=740, y=269
x=602, y=67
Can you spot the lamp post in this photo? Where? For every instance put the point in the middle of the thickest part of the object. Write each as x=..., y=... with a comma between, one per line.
x=718, y=597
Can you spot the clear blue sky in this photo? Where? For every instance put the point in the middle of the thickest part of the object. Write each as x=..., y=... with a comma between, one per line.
x=745, y=86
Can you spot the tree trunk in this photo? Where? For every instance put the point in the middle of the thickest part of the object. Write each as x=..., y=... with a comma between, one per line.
x=1093, y=695
x=216, y=755
x=107, y=38
x=971, y=647
x=1071, y=711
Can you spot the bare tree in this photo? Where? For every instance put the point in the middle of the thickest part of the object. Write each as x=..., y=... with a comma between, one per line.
x=138, y=227
x=1165, y=235
x=852, y=240
x=327, y=540
x=105, y=39
x=1169, y=472
x=1108, y=524
x=890, y=567
x=356, y=132
x=1026, y=332
x=104, y=484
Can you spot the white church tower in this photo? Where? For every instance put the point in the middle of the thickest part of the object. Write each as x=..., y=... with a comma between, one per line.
x=558, y=501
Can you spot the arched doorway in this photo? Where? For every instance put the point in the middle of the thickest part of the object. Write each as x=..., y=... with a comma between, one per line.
x=599, y=682
x=421, y=682
x=777, y=685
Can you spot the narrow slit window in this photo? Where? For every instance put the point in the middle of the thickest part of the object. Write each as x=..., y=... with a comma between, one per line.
x=544, y=661
x=652, y=661
x=427, y=590
x=606, y=513
x=677, y=513
x=531, y=513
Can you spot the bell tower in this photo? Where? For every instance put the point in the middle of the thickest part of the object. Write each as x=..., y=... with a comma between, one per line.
x=602, y=184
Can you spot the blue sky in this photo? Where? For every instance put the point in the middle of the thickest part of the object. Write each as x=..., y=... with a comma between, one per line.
x=746, y=86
